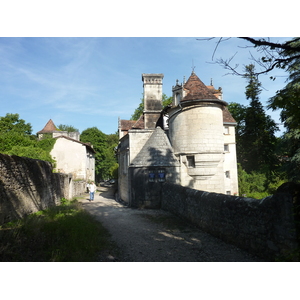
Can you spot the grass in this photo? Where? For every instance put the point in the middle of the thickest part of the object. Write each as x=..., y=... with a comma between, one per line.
x=64, y=233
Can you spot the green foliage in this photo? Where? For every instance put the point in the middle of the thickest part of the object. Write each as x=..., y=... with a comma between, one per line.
x=104, y=146
x=257, y=185
x=258, y=138
x=16, y=139
x=46, y=144
x=12, y=123
x=14, y=132
x=68, y=128
x=255, y=134
x=166, y=100
x=10, y=139
x=64, y=201
x=288, y=100
x=31, y=152
x=65, y=233
x=238, y=112
x=139, y=110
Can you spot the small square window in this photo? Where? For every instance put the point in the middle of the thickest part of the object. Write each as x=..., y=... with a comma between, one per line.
x=190, y=161
x=227, y=174
x=228, y=192
x=226, y=148
x=226, y=130
x=151, y=176
x=161, y=175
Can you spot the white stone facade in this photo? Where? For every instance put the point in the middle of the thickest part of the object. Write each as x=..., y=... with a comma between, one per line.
x=201, y=135
x=75, y=158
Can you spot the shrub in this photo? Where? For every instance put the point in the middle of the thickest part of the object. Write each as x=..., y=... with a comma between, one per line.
x=62, y=233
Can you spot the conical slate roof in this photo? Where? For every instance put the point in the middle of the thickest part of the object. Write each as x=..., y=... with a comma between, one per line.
x=156, y=152
x=49, y=127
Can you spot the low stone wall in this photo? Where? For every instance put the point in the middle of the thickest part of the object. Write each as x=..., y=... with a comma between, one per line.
x=77, y=188
x=29, y=185
x=263, y=227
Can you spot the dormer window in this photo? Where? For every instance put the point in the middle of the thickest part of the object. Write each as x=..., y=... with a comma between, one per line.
x=178, y=98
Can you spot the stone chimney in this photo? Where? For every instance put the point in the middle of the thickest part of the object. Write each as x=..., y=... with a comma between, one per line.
x=152, y=98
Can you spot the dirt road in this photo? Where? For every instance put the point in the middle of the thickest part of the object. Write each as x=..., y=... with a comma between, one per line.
x=157, y=235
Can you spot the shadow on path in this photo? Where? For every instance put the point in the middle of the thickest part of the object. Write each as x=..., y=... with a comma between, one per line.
x=156, y=235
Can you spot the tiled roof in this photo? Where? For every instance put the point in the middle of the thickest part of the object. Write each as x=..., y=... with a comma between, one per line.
x=88, y=145
x=49, y=127
x=197, y=90
x=139, y=124
x=217, y=93
x=227, y=117
x=126, y=125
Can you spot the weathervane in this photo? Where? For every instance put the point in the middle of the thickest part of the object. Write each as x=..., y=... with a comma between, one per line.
x=193, y=67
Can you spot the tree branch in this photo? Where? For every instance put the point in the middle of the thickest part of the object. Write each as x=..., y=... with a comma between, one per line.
x=263, y=42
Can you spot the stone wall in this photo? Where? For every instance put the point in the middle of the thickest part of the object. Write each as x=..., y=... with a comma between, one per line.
x=263, y=227
x=29, y=185
x=145, y=193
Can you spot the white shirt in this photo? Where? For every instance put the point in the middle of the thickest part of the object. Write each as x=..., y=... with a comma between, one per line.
x=92, y=188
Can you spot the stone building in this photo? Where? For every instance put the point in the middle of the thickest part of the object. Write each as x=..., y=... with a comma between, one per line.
x=71, y=155
x=52, y=130
x=194, y=148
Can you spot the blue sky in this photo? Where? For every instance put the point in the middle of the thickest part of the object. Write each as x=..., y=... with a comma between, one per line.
x=87, y=82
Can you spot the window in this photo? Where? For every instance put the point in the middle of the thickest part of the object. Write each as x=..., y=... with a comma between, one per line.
x=190, y=161
x=226, y=148
x=227, y=174
x=161, y=175
x=226, y=130
x=228, y=192
x=177, y=98
x=151, y=176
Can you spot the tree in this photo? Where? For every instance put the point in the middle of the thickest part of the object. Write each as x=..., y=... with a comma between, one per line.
x=284, y=56
x=273, y=54
x=68, y=128
x=14, y=132
x=104, y=147
x=16, y=139
x=140, y=109
x=13, y=123
x=288, y=100
x=112, y=143
x=257, y=131
x=238, y=112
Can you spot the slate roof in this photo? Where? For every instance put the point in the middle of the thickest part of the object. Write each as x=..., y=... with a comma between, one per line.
x=156, y=152
x=49, y=127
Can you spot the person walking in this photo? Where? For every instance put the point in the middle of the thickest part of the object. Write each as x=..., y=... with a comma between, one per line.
x=92, y=190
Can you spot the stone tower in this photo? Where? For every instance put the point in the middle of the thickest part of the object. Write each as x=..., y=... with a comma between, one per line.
x=152, y=98
x=196, y=134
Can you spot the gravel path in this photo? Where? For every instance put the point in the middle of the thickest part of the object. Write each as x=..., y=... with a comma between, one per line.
x=157, y=236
